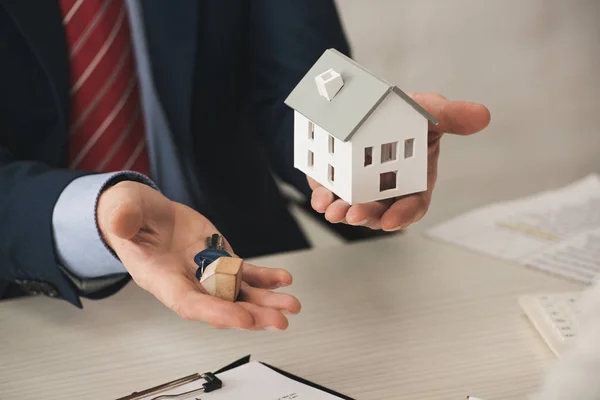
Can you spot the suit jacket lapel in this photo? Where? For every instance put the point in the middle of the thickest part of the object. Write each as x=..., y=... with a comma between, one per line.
x=40, y=22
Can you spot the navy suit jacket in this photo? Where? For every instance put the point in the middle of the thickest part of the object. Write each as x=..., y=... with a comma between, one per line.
x=222, y=69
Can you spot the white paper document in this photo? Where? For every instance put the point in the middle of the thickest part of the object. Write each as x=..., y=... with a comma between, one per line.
x=555, y=231
x=252, y=381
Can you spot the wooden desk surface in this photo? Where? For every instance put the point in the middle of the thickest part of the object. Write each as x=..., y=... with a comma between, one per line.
x=401, y=318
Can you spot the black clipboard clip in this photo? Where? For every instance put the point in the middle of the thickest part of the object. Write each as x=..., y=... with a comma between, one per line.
x=211, y=383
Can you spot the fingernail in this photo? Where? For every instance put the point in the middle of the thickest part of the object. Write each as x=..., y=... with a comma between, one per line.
x=282, y=284
x=395, y=229
x=272, y=328
x=363, y=222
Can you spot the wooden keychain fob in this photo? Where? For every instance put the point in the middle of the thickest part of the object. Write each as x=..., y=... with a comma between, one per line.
x=218, y=272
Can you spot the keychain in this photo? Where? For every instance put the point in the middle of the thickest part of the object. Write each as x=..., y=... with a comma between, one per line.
x=219, y=273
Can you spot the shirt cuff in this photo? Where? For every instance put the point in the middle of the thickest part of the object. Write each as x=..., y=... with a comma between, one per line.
x=77, y=239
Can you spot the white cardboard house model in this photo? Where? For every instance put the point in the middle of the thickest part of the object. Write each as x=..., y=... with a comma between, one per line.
x=359, y=136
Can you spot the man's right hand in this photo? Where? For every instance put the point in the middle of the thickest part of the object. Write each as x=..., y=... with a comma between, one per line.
x=156, y=240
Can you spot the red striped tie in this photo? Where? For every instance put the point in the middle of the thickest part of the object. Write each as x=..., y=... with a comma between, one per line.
x=107, y=130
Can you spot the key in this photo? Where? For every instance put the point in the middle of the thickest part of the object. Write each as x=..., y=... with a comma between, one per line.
x=219, y=273
x=215, y=241
x=215, y=248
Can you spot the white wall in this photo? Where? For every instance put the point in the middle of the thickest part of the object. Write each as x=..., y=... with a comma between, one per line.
x=534, y=63
x=393, y=121
x=340, y=160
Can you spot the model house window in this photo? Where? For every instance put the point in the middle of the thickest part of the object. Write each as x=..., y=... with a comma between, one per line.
x=331, y=144
x=387, y=181
x=331, y=173
x=388, y=152
x=311, y=130
x=409, y=148
x=311, y=159
x=368, y=156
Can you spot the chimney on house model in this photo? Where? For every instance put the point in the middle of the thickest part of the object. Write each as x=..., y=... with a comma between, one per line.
x=329, y=83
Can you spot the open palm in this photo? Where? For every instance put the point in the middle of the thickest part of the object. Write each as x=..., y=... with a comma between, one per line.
x=457, y=117
x=156, y=239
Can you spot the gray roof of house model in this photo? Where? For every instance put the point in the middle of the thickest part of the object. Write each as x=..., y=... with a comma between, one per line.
x=351, y=107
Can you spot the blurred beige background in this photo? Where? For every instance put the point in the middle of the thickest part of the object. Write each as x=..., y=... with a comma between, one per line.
x=534, y=63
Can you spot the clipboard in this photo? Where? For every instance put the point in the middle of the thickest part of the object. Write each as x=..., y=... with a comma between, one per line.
x=212, y=382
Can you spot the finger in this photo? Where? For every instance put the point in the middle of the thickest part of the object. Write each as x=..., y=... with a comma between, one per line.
x=264, y=317
x=458, y=117
x=312, y=183
x=374, y=225
x=336, y=212
x=321, y=199
x=266, y=298
x=404, y=212
x=266, y=278
x=180, y=294
x=367, y=214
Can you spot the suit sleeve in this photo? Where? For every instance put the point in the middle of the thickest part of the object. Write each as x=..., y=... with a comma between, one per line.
x=287, y=38
x=29, y=193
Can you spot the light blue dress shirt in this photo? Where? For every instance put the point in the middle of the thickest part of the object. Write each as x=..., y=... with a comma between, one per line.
x=77, y=240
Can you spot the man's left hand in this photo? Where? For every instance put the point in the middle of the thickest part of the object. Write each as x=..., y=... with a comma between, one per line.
x=455, y=117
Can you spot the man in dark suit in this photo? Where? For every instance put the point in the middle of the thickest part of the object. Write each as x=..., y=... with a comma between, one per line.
x=128, y=128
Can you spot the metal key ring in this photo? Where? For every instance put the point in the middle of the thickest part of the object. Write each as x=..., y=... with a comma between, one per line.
x=215, y=248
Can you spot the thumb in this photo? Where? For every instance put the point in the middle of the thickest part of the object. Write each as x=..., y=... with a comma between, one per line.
x=119, y=212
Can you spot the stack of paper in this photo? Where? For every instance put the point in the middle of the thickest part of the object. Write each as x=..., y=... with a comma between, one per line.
x=556, y=231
